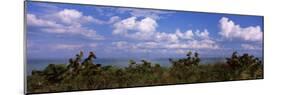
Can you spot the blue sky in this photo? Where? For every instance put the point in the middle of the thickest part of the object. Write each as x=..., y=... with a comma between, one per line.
x=62, y=30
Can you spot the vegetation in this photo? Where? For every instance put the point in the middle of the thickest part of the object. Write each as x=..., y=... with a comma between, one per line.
x=83, y=74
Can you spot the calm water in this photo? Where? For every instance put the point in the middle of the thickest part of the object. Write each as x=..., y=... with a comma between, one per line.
x=39, y=64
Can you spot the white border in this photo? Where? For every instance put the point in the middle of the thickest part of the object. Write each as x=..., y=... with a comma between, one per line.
x=11, y=48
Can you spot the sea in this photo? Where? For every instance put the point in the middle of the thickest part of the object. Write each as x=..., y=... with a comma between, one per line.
x=40, y=64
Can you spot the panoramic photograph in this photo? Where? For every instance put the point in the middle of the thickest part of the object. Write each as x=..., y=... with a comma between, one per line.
x=72, y=47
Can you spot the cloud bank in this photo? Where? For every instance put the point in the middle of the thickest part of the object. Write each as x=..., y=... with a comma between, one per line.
x=230, y=30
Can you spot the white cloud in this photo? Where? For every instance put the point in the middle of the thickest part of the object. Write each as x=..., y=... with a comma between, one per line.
x=32, y=20
x=167, y=37
x=67, y=21
x=123, y=45
x=145, y=30
x=194, y=44
x=202, y=35
x=250, y=47
x=203, y=44
x=141, y=47
x=120, y=44
x=66, y=46
x=145, y=25
x=113, y=19
x=93, y=45
x=186, y=35
x=189, y=34
x=71, y=16
x=148, y=45
x=230, y=30
x=123, y=26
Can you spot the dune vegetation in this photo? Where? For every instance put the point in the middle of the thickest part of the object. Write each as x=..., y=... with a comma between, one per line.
x=83, y=73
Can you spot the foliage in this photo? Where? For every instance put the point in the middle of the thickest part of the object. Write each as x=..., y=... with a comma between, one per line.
x=245, y=66
x=83, y=74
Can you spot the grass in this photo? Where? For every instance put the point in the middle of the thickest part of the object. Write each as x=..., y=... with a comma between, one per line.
x=84, y=74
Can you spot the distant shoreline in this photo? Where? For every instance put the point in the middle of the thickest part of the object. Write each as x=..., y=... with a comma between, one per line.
x=39, y=64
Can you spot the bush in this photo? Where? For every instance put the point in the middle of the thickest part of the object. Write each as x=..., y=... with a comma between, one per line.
x=82, y=74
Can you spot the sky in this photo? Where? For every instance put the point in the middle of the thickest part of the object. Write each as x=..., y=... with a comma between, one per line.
x=55, y=30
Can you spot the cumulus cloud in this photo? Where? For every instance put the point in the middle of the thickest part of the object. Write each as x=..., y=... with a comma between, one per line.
x=66, y=46
x=71, y=16
x=185, y=35
x=146, y=25
x=195, y=44
x=250, y=47
x=120, y=44
x=33, y=20
x=67, y=21
x=93, y=45
x=123, y=45
x=140, y=47
x=149, y=45
x=113, y=19
x=146, y=30
x=202, y=35
x=190, y=34
x=230, y=30
x=123, y=26
x=167, y=37
x=143, y=29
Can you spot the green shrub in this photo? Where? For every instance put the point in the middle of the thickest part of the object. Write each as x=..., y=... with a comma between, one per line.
x=82, y=74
